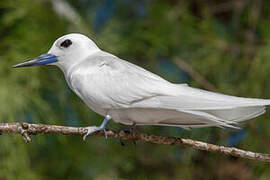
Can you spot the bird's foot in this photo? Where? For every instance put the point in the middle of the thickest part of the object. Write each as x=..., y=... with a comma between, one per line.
x=131, y=129
x=92, y=129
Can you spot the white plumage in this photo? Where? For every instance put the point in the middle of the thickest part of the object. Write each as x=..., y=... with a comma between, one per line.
x=130, y=94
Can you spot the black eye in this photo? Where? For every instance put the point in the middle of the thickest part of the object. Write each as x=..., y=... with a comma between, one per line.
x=66, y=43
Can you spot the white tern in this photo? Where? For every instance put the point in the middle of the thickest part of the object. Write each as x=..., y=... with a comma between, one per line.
x=129, y=94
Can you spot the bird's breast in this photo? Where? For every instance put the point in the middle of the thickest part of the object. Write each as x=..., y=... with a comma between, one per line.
x=89, y=89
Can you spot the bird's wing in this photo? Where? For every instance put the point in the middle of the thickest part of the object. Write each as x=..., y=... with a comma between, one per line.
x=122, y=85
x=128, y=85
x=116, y=82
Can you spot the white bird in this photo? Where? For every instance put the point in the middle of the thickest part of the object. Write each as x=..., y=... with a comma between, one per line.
x=129, y=94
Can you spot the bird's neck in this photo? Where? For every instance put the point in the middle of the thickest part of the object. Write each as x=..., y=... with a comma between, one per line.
x=67, y=65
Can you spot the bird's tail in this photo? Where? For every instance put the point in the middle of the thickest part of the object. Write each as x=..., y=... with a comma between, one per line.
x=221, y=118
x=190, y=108
x=204, y=109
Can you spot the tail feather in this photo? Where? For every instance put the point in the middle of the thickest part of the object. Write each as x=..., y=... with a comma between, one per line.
x=219, y=109
x=238, y=114
x=221, y=118
x=191, y=108
x=200, y=119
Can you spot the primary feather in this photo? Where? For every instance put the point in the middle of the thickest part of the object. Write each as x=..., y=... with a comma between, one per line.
x=130, y=94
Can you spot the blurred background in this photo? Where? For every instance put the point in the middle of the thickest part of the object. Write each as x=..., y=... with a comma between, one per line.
x=221, y=45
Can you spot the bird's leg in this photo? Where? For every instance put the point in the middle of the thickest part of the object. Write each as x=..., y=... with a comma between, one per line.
x=130, y=131
x=131, y=128
x=92, y=129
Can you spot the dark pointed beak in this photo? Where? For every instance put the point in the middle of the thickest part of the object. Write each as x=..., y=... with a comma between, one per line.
x=39, y=61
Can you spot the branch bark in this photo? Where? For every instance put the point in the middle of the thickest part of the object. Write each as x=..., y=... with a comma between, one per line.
x=26, y=129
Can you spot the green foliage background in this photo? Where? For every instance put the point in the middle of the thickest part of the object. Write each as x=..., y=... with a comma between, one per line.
x=228, y=42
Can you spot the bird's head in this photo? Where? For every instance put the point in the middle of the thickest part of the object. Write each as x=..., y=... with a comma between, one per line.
x=65, y=51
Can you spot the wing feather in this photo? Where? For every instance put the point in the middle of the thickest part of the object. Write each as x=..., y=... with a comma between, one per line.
x=108, y=82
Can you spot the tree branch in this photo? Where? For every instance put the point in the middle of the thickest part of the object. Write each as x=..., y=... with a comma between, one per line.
x=26, y=129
